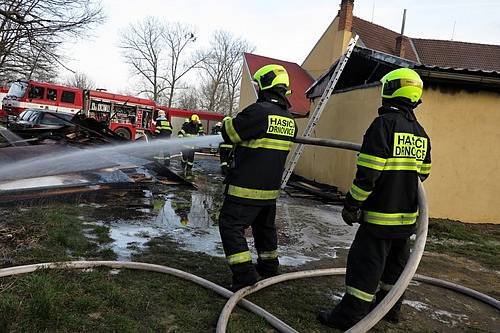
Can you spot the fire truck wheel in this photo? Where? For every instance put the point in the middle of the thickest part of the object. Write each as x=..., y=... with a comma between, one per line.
x=121, y=131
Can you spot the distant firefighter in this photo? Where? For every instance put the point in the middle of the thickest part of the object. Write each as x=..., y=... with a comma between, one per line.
x=163, y=130
x=191, y=127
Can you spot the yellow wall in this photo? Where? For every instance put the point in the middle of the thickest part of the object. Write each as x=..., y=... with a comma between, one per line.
x=346, y=117
x=465, y=140
x=327, y=50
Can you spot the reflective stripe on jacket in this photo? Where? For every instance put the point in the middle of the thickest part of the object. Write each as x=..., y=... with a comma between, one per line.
x=262, y=137
x=395, y=152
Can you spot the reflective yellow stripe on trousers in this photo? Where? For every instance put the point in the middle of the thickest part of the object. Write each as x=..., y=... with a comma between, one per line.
x=249, y=193
x=359, y=294
x=239, y=258
x=268, y=255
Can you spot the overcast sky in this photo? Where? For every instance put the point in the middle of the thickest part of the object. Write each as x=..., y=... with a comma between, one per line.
x=280, y=29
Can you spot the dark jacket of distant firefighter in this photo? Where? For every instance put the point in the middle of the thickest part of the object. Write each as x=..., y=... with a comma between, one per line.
x=163, y=128
x=395, y=148
x=191, y=128
x=262, y=134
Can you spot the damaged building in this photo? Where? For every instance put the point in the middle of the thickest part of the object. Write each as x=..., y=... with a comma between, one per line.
x=460, y=109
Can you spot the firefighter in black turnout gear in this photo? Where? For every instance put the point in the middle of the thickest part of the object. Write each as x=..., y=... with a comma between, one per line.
x=383, y=198
x=225, y=150
x=191, y=127
x=163, y=130
x=262, y=135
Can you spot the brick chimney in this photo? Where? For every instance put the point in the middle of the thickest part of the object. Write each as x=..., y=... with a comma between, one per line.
x=400, y=46
x=401, y=40
x=345, y=15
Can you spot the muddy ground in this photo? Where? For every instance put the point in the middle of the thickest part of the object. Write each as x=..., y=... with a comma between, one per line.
x=177, y=226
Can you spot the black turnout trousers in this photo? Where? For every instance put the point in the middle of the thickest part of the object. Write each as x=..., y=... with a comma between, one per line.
x=371, y=260
x=234, y=218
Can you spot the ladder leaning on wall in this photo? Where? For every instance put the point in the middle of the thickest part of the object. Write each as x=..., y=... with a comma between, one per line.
x=316, y=114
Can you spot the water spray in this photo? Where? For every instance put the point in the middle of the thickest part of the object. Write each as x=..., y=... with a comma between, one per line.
x=75, y=160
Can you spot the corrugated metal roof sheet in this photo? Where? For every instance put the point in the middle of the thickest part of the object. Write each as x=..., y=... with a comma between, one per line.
x=300, y=80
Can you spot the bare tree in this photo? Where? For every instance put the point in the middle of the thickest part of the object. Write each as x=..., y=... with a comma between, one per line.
x=220, y=72
x=143, y=48
x=188, y=99
x=31, y=32
x=80, y=81
x=158, y=54
x=178, y=37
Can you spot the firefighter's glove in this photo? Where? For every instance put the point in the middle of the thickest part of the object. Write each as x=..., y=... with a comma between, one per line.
x=351, y=214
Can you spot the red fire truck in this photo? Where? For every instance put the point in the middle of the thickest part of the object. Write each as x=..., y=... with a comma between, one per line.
x=3, y=93
x=128, y=116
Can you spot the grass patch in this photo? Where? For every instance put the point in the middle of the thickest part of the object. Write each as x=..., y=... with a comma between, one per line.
x=54, y=233
x=480, y=242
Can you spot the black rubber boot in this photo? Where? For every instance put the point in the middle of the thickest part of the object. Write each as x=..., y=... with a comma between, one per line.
x=333, y=319
x=244, y=275
x=346, y=314
x=394, y=314
x=268, y=268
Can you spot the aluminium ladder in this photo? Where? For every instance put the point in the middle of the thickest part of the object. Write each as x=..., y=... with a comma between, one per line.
x=313, y=121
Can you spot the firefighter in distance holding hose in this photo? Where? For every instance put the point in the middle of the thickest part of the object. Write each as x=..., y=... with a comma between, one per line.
x=163, y=130
x=191, y=127
x=383, y=198
x=262, y=136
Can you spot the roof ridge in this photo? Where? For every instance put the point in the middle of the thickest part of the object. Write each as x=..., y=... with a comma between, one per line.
x=454, y=41
x=261, y=56
x=432, y=39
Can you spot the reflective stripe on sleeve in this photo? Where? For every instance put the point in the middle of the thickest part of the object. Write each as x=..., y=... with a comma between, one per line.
x=425, y=168
x=370, y=161
x=231, y=132
x=359, y=294
x=391, y=219
x=239, y=258
x=358, y=193
x=249, y=193
x=267, y=143
x=225, y=145
x=268, y=255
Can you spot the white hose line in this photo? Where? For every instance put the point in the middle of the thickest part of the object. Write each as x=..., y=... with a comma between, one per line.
x=458, y=288
x=376, y=314
x=238, y=296
x=272, y=320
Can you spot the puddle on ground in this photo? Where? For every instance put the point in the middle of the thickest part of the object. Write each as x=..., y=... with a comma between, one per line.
x=307, y=230
x=443, y=316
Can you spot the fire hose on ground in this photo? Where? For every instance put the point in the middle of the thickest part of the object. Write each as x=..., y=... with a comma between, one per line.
x=237, y=298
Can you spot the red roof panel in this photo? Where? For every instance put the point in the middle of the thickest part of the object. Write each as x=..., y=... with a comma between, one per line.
x=300, y=80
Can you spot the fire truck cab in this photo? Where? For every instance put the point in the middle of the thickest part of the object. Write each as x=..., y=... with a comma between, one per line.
x=29, y=94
